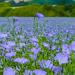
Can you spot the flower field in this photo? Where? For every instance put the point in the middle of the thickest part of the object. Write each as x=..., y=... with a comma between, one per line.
x=37, y=46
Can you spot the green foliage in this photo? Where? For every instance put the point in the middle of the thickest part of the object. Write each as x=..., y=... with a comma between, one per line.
x=3, y=4
x=1, y=71
x=49, y=72
x=31, y=10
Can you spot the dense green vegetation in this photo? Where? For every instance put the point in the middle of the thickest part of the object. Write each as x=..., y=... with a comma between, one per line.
x=31, y=10
x=3, y=4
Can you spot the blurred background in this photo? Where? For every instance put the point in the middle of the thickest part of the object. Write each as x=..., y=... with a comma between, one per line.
x=26, y=2
x=29, y=8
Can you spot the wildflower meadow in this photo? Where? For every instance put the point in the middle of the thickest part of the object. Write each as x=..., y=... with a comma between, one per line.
x=37, y=45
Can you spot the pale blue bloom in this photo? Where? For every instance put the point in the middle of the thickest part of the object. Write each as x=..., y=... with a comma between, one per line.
x=33, y=39
x=11, y=54
x=11, y=43
x=56, y=70
x=72, y=46
x=46, y=45
x=21, y=60
x=53, y=47
x=8, y=71
x=45, y=64
x=28, y=72
x=17, y=49
x=65, y=48
x=62, y=58
x=49, y=34
x=3, y=35
x=39, y=72
x=35, y=44
x=39, y=15
x=35, y=50
x=33, y=56
x=8, y=46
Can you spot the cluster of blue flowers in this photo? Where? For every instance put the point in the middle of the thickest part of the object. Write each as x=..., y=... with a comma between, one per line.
x=24, y=53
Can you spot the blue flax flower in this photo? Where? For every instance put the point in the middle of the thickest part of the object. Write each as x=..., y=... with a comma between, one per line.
x=28, y=72
x=72, y=46
x=39, y=15
x=33, y=56
x=62, y=58
x=8, y=71
x=35, y=44
x=39, y=72
x=33, y=39
x=56, y=70
x=8, y=46
x=3, y=35
x=53, y=47
x=65, y=49
x=11, y=54
x=35, y=50
x=46, y=45
x=46, y=64
x=21, y=60
x=11, y=43
x=48, y=34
